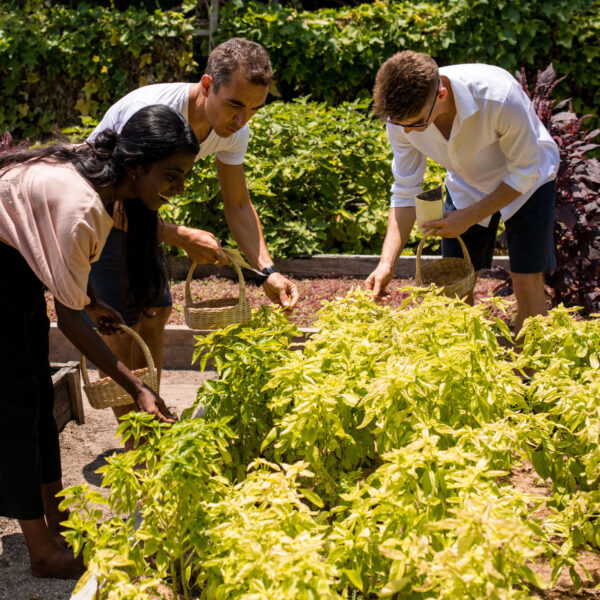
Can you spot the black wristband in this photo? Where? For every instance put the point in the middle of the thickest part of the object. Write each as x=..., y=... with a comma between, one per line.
x=266, y=272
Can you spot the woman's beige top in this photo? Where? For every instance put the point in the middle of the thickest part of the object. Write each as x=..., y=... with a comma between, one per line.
x=56, y=220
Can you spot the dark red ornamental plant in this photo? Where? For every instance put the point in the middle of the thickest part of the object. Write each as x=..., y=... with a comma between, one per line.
x=575, y=280
x=6, y=141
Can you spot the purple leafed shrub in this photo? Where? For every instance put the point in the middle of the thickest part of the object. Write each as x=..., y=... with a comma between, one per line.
x=575, y=280
x=6, y=141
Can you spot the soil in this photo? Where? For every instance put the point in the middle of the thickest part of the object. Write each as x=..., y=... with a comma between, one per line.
x=313, y=292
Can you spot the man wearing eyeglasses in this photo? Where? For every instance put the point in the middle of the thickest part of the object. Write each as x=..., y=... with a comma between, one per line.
x=477, y=122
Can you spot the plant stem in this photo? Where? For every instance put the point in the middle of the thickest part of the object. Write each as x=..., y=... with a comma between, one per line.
x=184, y=582
x=174, y=580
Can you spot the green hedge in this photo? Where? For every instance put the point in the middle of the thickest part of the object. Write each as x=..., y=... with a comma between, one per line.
x=334, y=54
x=331, y=54
x=319, y=177
x=57, y=63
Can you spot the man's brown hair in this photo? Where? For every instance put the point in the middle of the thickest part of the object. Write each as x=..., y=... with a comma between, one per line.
x=238, y=53
x=403, y=84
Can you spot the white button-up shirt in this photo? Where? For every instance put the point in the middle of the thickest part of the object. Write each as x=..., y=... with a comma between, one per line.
x=496, y=137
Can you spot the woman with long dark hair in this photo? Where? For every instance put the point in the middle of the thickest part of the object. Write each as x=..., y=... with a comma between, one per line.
x=56, y=210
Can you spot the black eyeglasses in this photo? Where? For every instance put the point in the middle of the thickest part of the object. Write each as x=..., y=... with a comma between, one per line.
x=423, y=125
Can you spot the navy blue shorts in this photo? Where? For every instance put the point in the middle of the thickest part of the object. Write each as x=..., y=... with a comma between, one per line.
x=109, y=278
x=529, y=233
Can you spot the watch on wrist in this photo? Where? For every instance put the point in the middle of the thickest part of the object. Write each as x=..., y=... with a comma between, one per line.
x=266, y=272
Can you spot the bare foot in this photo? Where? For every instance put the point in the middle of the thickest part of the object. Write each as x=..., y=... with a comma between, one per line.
x=59, y=564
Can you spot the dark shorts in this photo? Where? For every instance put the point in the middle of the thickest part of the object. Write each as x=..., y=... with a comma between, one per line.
x=109, y=278
x=529, y=233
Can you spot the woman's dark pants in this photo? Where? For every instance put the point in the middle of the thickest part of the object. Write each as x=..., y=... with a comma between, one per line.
x=29, y=448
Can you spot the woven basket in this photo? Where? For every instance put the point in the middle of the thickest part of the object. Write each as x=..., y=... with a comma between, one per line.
x=455, y=276
x=212, y=314
x=105, y=393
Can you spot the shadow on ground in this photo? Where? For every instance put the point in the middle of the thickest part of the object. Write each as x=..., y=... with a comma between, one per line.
x=89, y=470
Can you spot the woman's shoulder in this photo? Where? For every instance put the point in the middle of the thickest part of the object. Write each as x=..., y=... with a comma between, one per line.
x=62, y=179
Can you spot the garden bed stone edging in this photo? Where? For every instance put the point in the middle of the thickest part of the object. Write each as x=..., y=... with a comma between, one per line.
x=179, y=342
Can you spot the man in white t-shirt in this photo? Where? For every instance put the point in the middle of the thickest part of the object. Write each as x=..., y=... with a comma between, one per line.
x=234, y=87
x=477, y=122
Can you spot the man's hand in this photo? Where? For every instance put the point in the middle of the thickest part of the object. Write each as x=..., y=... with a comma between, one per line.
x=204, y=248
x=453, y=224
x=106, y=318
x=281, y=290
x=378, y=280
x=149, y=402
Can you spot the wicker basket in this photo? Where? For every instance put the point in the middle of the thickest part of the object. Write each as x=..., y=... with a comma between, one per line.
x=212, y=314
x=455, y=276
x=105, y=392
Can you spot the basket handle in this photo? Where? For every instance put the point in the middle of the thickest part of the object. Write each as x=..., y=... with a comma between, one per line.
x=188, y=281
x=143, y=346
x=429, y=233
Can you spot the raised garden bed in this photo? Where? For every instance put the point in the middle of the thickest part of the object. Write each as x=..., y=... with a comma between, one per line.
x=67, y=393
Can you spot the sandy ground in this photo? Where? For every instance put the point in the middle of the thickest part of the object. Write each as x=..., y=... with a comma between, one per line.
x=84, y=449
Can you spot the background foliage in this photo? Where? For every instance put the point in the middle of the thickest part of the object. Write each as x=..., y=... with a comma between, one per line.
x=58, y=63
x=348, y=45
x=319, y=176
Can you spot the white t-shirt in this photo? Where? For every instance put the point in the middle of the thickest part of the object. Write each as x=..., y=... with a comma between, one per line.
x=57, y=221
x=230, y=150
x=496, y=137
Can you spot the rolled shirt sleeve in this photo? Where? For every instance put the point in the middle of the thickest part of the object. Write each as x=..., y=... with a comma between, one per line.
x=408, y=167
x=518, y=141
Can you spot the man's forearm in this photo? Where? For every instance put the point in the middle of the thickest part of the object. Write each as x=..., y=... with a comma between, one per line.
x=400, y=224
x=458, y=221
x=245, y=227
x=502, y=196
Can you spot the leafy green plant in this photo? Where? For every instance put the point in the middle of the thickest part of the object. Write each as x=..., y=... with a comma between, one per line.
x=169, y=481
x=243, y=355
x=319, y=177
x=377, y=462
x=564, y=355
x=344, y=45
x=513, y=35
x=266, y=542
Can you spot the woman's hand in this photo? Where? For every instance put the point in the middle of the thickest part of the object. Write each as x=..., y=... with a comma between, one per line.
x=150, y=402
x=79, y=332
x=106, y=318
